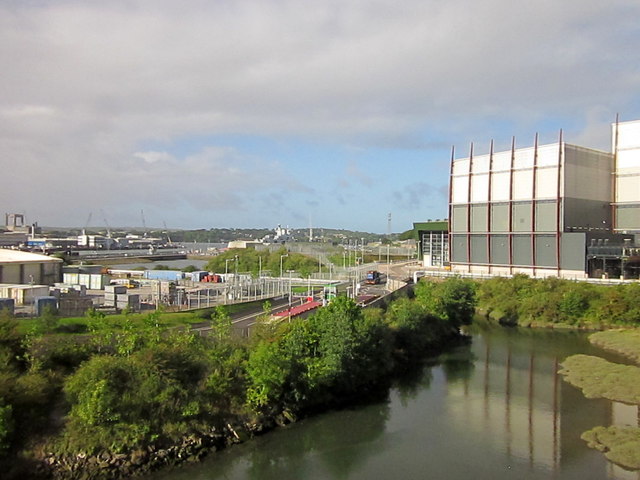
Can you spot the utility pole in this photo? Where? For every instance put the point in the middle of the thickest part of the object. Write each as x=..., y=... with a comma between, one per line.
x=144, y=223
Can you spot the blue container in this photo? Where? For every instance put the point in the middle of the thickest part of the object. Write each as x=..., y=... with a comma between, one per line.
x=8, y=304
x=43, y=303
x=167, y=275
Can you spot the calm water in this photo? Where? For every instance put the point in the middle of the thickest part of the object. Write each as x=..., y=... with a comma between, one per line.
x=493, y=410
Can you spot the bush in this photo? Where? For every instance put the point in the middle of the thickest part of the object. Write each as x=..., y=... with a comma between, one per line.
x=6, y=426
x=453, y=300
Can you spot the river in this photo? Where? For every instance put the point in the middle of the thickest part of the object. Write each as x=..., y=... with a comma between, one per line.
x=495, y=409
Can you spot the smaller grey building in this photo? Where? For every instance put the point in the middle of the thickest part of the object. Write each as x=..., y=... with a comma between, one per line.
x=18, y=267
x=433, y=243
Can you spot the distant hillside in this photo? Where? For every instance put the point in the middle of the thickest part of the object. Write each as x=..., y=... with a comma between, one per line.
x=223, y=235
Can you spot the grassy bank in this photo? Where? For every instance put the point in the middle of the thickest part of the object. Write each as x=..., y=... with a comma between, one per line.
x=526, y=302
x=598, y=378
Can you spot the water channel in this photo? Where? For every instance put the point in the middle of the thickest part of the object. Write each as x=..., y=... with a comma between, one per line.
x=495, y=409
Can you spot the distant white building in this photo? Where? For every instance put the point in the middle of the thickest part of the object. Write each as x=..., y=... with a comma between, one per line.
x=280, y=235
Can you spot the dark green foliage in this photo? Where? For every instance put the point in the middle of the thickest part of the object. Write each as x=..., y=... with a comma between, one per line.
x=48, y=321
x=453, y=300
x=525, y=301
x=11, y=341
x=415, y=328
x=153, y=395
x=6, y=426
x=335, y=353
x=220, y=323
x=341, y=351
x=60, y=353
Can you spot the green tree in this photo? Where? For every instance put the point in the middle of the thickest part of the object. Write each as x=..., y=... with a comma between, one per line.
x=221, y=324
x=453, y=300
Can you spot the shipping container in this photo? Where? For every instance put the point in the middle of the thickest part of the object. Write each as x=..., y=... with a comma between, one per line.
x=7, y=304
x=42, y=303
x=198, y=276
x=115, y=289
x=169, y=275
x=26, y=294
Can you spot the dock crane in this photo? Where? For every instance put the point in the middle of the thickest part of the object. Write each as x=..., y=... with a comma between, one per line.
x=86, y=224
x=104, y=217
x=166, y=230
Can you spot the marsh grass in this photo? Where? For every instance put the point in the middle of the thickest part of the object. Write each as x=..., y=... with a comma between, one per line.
x=621, y=445
x=598, y=378
x=626, y=342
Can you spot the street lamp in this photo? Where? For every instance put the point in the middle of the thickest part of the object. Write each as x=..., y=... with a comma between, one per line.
x=226, y=266
x=290, y=293
x=281, y=257
x=235, y=279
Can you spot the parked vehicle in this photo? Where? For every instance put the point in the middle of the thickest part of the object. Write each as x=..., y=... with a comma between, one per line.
x=373, y=277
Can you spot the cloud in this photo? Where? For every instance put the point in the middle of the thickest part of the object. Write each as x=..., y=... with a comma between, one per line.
x=154, y=157
x=85, y=84
x=412, y=196
x=354, y=171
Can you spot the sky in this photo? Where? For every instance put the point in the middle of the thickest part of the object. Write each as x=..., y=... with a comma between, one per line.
x=326, y=113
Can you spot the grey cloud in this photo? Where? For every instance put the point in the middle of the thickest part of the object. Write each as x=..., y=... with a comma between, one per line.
x=85, y=83
x=412, y=196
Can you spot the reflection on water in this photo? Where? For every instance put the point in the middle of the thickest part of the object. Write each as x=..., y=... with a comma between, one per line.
x=494, y=409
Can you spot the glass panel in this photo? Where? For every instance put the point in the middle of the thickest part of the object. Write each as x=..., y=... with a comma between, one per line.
x=628, y=217
x=547, y=183
x=546, y=251
x=480, y=188
x=480, y=164
x=460, y=189
x=522, y=250
x=479, y=218
x=546, y=217
x=521, y=217
x=459, y=222
x=459, y=248
x=479, y=249
x=500, y=183
x=500, y=250
x=500, y=217
x=523, y=185
x=628, y=189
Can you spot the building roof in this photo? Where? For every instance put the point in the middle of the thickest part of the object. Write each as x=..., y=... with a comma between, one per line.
x=17, y=256
x=437, y=226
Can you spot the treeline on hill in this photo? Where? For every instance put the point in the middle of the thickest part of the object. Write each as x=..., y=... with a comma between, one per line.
x=250, y=260
x=527, y=302
x=135, y=392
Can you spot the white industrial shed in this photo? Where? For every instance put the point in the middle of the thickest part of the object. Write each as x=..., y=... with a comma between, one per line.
x=29, y=268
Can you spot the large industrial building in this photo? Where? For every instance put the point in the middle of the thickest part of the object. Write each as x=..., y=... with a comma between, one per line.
x=18, y=267
x=626, y=185
x=548, y=210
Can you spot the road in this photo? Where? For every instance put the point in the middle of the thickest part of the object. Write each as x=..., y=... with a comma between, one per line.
x=245, y=320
